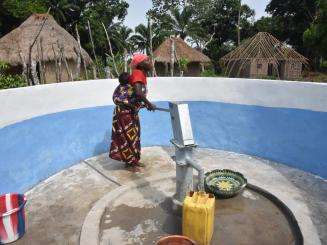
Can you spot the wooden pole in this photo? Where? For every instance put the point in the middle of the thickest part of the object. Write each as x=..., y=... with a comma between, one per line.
x=154, y=73
x=69, y=72
x=125, y=60
x=172, y=57
x=34, y=73
x=29, y=65
x=110, y=49
x=40, y=61
x=238, y=25
x=43, y=62
x=56, y=64
x=94, y=72
x=24, y=72
x=59, y=62
x=181, y=73
x=80, y=53
x=93, y=48
x=202, y=67
x=166, y=69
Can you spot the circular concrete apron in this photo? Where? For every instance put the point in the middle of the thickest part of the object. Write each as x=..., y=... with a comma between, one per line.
x=141, y=213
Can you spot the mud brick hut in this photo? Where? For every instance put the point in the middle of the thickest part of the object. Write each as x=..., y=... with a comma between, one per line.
x=264, y=56
x=172, y=50
x=55, y=57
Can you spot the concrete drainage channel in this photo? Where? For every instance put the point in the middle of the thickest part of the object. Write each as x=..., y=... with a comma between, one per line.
x=140, y=213
x=294, y=225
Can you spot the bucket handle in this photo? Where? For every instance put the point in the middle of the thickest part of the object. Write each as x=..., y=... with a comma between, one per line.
x=15, y=209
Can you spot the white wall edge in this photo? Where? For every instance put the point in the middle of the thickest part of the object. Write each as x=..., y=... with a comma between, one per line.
x=28, y=102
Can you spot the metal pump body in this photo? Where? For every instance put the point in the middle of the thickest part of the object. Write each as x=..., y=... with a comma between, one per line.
x=184, y=148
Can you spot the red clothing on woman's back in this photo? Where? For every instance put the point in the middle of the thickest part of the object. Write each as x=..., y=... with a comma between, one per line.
x=137, y=76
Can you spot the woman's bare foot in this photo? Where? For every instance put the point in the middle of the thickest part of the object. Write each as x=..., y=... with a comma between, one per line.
x=132, y=167
x=140, y=164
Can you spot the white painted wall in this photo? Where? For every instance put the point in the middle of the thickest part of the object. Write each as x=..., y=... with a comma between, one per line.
x=24, y=103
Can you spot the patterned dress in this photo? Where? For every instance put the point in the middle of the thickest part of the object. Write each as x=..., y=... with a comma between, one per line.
x=126, y=131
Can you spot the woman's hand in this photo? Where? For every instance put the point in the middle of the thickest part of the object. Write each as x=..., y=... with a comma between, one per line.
x=151, y=107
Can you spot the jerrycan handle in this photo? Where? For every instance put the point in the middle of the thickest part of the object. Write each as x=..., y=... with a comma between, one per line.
x=203, y=197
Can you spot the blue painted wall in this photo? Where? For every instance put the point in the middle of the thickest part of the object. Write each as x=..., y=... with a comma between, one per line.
x=32, y=150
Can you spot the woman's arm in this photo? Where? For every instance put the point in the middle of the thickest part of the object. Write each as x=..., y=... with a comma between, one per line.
x=141, y=96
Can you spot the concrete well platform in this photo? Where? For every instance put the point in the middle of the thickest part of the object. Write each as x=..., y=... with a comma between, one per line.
x=142, y=214
x=58, y=207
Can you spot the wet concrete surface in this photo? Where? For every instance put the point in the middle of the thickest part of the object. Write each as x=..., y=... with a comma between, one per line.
x=246, y=219
x=304, y=193
x=57, y=207
x=250, y=218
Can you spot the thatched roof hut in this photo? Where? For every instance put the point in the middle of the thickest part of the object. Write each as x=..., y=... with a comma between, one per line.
x=264, y=55
x=163, y=57
x=53, y=42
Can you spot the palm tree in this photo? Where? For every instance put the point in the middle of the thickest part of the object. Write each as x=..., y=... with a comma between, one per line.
x=119, y=44
x=63, y=10
x=182, y=22
x=122, y=39
x=141, y=38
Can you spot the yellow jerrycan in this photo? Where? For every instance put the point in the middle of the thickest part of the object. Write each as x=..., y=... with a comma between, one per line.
x=198, y=217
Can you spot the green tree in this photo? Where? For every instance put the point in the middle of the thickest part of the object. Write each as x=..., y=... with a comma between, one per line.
x=122, y=38
x=181, y=22
x=217, y=21
x=220, y=19
x=141, y=38
x=64, y=11
x=183, y=63
x=315, y=37
x=294, y=17
x=68, y=13
x=160, y=7
x=101, y=11
x=13, y=12
x=273, y=25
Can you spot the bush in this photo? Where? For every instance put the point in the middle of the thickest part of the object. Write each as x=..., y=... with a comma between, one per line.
x=318, y=77
x=209, y=73
x=323, y=65
x=10, y=81
x=267, y=77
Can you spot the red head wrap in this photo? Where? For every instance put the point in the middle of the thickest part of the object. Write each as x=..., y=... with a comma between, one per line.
x=137, y=59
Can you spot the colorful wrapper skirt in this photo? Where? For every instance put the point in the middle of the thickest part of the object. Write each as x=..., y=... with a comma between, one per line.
x=125, y=137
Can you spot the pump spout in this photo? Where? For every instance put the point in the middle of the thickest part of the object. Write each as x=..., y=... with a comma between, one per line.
x=200, y=171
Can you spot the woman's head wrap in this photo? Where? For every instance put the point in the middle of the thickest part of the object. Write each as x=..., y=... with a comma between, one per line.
x=137, y=59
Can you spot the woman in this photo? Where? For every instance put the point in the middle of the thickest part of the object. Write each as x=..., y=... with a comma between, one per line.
x=126, y=131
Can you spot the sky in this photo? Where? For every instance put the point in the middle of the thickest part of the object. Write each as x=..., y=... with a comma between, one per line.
x=138, y=8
